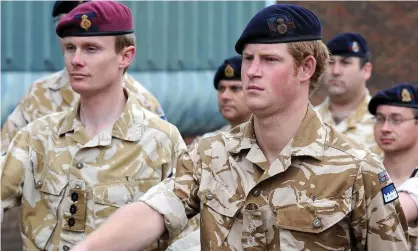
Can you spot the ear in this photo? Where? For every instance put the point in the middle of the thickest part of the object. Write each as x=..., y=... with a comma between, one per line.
x=127, y=55
x=367, y=70
x=307, y=69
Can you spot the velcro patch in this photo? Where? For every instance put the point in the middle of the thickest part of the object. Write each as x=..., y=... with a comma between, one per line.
x=383, y=176
x=389, y=193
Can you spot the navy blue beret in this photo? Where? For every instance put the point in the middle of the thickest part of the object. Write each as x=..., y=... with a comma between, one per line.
x=64, y=7
x=280, y=23
x=403, y=94
x=349, y=44
x=229, y=70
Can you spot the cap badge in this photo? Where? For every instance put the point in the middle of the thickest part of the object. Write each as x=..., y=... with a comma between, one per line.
x=355, y=47
x=281, y=26
x=229, y=71
x=85, y=23
x=406, y=95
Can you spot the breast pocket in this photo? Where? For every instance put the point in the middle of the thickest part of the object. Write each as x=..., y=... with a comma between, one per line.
x=219, y=207
x=41, y=205
x=316, y=225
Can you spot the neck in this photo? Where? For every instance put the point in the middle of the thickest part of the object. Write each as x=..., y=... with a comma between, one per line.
x=274, y=132
x=239, y=121
x=100, y=111
x=400, y=165
x=341, y=107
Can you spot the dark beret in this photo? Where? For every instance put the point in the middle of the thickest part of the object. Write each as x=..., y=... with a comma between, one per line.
x=280, y=23
x=97, y=18
x=64, y=7
x=349, y=44
x=403, y=94
x=229, y=70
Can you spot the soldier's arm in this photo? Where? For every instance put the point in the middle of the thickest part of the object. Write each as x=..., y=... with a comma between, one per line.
x=14, y=165
x=378, y=222
x=162, y=209
x=15, y=121
x=408, y=195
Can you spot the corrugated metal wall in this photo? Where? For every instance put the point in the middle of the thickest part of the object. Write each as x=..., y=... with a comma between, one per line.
x=172, y=35
x=179, y=45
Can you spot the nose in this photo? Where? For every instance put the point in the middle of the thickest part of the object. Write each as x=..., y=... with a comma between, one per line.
x=335, y=69
x=76, y=60
x=253, y=68
x=225, y=95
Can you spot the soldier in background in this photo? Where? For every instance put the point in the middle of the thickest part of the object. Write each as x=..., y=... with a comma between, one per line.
x=282, y=181
x=53, y=93
x=71, y=170
x=227, y=82
x=345, y=108
x=396, y=133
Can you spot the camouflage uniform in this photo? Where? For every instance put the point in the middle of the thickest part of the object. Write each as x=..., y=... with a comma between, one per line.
x=359, y=126
x=226, y=128
x=321, y=193
x=54, y=94
x=411, y=187
x=69, y=184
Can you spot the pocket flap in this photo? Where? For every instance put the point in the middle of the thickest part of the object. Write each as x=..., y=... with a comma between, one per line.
x=51, y=182
x=219, y=199
x=312, y=217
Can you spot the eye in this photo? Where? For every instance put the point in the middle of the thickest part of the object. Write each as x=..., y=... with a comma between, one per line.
x=91, y=49
x=248, y=58
x=380, y=119
x=345, y=62
x=397, y=120
x=270, y=59
x=221, y=89
x=69, y=47
x=236, y=88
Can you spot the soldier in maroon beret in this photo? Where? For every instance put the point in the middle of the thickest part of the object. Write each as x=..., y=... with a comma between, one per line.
x=71, y=170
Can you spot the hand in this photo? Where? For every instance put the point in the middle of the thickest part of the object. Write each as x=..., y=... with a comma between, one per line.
x=82, y=246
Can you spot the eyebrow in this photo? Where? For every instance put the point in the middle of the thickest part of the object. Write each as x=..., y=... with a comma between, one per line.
x=390, y=114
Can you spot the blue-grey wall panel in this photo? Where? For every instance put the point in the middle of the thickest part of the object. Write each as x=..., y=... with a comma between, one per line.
x=171, y=35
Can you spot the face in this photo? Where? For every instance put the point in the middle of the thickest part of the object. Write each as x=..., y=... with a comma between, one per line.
x=271, y=81
x=345, y=77
x=92, y=62
x=231, y=101
x=399, y=135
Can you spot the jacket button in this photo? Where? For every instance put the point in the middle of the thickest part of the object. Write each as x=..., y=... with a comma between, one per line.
x=209, y=195
x=316, y=223
x=74, y=196
x=257, y=192
x=73, y=209
x=79, y=165
x=71, y=222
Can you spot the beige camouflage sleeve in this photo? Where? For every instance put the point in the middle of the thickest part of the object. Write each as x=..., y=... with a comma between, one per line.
x=176, y=198
x=11, y=126
x=378, y=222
x=13, y=171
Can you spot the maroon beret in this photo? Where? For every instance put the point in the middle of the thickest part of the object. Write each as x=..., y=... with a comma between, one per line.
x=97, y=18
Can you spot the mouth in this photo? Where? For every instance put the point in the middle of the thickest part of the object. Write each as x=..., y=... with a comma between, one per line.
x=227, y=107
x=255, y=87
x=334, y=82
x=386, y=141
x=78, y=75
